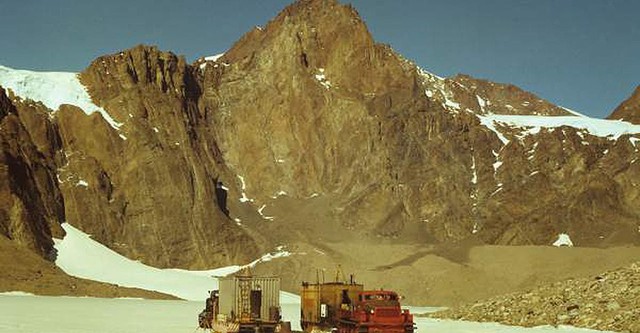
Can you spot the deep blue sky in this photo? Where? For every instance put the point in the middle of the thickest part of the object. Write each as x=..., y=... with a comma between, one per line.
x=582, y=54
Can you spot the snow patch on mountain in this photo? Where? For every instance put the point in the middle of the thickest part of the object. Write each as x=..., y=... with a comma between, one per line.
x=81, y=256
x=214, y=57
x=481, y=102
x=243, y=186
x=563, y=240
x=440, y=89
x=321, y=77
x=531, y=125
x=474, y=177
x=489, y=123
x=52, y=89
x=261, y=212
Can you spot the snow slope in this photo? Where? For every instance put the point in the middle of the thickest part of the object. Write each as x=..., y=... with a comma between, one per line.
x=35, y=314
x=81, y=256
x=214, y=57
x=52, y=89
x=611, y=129
x=529, y=124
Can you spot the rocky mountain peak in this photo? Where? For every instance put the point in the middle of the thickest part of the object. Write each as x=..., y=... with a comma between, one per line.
x=142, y=65
x=629, y=110
x=312, y=24
x=321, y=39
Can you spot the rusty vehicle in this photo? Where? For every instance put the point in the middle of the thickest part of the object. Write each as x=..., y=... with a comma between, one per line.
x=321, y=303
x=376, y=311
x=345, y=307
x=244, y=304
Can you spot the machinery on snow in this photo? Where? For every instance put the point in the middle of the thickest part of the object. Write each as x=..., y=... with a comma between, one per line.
x=345, y=307
x=244, y=304
x=249, y=304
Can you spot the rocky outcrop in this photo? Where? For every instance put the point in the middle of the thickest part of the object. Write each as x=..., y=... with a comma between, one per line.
x=500, y=98
x=607, y=302
x=300, y=111
x=629, y=110
x=147, y=188
x=31, y=205
x=400, y=151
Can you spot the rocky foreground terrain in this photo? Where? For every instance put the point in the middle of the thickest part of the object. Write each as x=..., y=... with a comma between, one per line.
x=306, y=134
x=608, y=301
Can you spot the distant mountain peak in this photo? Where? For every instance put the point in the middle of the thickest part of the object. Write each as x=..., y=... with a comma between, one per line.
x=629, y=110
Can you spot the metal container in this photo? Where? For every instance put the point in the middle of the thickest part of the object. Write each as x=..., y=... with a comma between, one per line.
x=321, y=303
x=250, y=298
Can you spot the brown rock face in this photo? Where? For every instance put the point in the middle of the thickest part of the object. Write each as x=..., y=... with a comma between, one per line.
x=30, y=202
x=311, y=105
x=399, y=151
x=501, y=98
x=629, y=110
x=319, y=133
x=148, y=189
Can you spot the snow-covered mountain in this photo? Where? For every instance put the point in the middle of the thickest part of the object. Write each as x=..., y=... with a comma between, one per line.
x=304, y=132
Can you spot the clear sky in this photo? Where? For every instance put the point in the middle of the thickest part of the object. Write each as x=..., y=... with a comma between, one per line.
x=581, y=54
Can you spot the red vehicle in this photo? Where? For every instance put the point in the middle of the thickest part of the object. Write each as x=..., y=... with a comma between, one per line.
x=376, y=311
x=345, y=307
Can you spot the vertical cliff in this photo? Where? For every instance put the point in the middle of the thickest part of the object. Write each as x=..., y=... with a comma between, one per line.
x=31, y=205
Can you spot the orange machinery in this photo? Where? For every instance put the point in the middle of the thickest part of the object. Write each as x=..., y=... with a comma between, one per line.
x=346, y=307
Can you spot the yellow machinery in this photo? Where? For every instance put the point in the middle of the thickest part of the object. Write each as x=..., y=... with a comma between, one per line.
x=321, y=303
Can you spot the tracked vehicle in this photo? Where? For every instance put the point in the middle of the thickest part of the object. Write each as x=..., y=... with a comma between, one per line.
x=345, y=307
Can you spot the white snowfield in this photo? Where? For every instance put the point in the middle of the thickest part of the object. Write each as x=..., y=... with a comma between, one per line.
x=81, y=256
x=531, y=125
x=52, y=89
x=35, y=314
